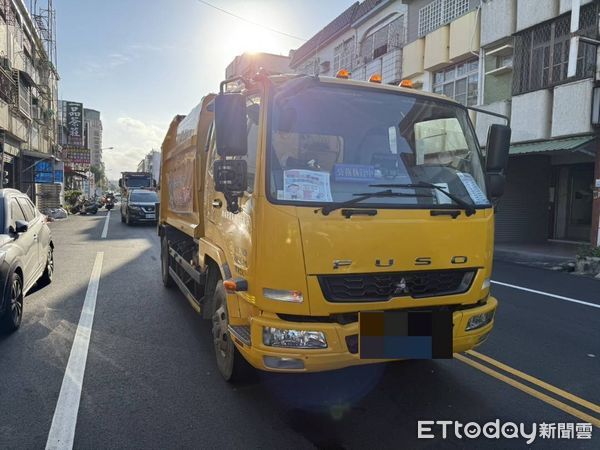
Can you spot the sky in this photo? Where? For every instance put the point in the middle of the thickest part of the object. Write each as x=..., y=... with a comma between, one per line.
x=141, y=62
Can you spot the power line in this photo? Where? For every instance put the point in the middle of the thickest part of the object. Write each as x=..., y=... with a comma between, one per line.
x=273, y=30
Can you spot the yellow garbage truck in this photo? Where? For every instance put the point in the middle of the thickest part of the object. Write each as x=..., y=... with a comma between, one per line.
x=323, y=222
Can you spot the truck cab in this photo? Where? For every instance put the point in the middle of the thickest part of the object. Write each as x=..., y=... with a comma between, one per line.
x=323, y=203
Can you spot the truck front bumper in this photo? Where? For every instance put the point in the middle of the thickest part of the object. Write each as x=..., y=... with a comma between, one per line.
x=342, y=342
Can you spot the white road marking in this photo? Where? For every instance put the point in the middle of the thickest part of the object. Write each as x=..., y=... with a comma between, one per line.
x=105, y=229
x=560, y=297
x=62, y=431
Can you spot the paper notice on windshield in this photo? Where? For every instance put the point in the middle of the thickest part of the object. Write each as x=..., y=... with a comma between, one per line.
x=441, y=198
x=306, y=186
x=476, y=194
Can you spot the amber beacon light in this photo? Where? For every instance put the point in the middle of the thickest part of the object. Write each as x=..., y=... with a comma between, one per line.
x=375, y=78
x=343, y=74
x=406, y=84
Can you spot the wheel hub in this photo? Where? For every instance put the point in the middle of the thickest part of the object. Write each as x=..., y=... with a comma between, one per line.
x=15, y=304
x=220, y=335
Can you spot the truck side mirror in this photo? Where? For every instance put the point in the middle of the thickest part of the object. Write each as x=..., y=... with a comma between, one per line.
x=120, y=183
x=498, y=145
x=231, y=178
x=230, y=125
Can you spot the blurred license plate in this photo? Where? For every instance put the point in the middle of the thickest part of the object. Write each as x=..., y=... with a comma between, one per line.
x=405, y=334
x=150, y=216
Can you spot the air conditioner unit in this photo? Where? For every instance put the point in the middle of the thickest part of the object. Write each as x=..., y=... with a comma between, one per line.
x=324, y=66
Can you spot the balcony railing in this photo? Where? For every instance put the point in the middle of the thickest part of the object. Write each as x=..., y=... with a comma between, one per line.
x=389, y=66
x=8, y=88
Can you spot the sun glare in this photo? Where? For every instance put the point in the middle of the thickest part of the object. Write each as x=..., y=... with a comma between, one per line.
x=248, y=38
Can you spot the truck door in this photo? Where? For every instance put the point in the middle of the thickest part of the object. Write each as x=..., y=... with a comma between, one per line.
x=215, y=201
x=237, y=228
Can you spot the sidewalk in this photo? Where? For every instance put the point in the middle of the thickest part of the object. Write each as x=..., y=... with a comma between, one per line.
x=543, y=254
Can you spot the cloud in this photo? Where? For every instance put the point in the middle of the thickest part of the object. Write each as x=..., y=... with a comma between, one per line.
x=149, y=47
x=100, y=66
x=132, y=139
x=118, y=59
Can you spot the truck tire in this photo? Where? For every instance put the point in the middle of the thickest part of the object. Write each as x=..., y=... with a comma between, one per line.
x=164, y=264
x=231, y=364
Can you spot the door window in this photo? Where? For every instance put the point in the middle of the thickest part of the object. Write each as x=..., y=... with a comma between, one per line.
x=15, y=213
x=27, y=208
x=253, y=108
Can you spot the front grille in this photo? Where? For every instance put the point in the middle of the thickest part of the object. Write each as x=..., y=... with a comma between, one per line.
x=377, y=287
x=148, y=209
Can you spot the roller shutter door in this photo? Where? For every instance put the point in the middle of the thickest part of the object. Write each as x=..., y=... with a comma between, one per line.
x=522, y=214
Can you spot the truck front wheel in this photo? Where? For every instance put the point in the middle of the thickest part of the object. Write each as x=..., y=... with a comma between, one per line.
x=231, y=363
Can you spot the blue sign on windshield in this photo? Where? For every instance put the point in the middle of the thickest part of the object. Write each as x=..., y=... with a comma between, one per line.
x=353, y=173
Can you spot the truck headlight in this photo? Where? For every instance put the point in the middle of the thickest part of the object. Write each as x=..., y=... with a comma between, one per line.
x=277, y=337
x=283, y=296
x=480, y=320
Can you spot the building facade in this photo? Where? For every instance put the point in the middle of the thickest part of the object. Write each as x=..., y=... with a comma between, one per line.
x=80, y=137
x=28, y=100
x=366, y=39
x=551, y=175
x=506, y=56
x=151, y=163
x=93, y=135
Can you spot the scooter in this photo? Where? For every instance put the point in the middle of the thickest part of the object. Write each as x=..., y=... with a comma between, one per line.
x=86, y=208
x=109, y=205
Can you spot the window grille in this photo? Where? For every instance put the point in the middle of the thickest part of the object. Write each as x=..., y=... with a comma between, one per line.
x=24, y=98
x=440, y=12
x=541, y=53
x=342, y=58
x=459, y=82
x=382, y=41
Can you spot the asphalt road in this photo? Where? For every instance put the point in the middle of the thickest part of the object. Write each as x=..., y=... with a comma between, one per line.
x=151, y=382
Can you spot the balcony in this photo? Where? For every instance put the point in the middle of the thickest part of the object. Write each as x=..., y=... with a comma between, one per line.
x=30, y=72
x=8, y=88
x=389, y=66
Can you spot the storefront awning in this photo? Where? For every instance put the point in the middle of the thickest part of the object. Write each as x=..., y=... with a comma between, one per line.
x=39, y=155
x=551, y=145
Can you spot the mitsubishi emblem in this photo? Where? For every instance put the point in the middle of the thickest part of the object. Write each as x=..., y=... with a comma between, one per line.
x=401, y=287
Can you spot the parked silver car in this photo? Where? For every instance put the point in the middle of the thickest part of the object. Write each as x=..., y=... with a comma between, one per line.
x=26, y=254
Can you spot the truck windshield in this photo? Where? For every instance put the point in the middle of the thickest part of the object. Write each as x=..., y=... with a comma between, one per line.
x=137, y=182
x=331, y=143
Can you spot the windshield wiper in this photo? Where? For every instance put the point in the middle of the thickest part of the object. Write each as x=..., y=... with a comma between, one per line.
x=469, y=207
x=363, y=196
